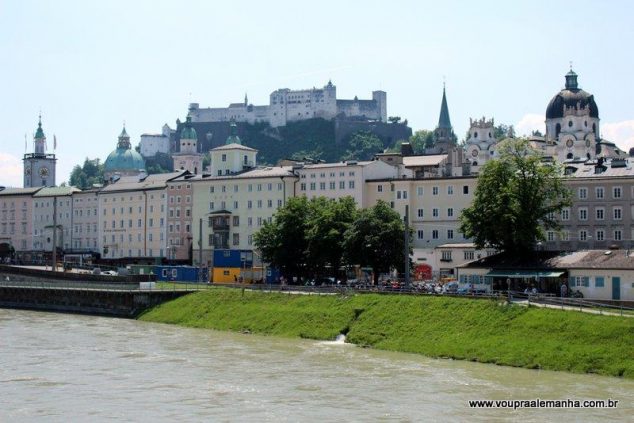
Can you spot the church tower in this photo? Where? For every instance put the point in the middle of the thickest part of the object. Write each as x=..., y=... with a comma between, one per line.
x=188, y=158
x=444, y=138
x=39, y=166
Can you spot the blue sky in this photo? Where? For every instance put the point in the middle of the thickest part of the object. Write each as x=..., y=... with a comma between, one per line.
x=89, y=66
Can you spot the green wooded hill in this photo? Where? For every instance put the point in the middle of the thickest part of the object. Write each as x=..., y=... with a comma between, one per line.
x=487, y=331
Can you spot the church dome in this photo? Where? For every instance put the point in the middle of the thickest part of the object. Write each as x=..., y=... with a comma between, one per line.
x=571, y=96
x=124, y=158
x=188, y=132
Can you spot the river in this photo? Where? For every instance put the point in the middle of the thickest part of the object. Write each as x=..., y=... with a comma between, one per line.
x=59, y=367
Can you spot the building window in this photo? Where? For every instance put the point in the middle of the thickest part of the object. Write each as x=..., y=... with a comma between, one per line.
x=342, y=184
x=446, y=256
x=450, y=190
x=419, y=191
x=617, y=213
x=599, y=213
x=583, y=193
x=583, y=235
x=236, y=239
x=379, y=188
x=450, y=212
x=616, y=192
x=583, y=213
x=434, y=234
x=565, y=235
x=420, y=213
x=465, y=189
x=434, y=191
x=322, y=186
x=598, y=281
x=332, y=185
x=313, y=186
x=618, y=235
x=565, y=214
x=236, y=220
x=469, y=255
x=302, y=186
x=434, y=212
x=420, y=234
x=599, y=192
x=351, y=184
x=449, y=233
x=224, y=157
x=600, y=235
x=550, y=236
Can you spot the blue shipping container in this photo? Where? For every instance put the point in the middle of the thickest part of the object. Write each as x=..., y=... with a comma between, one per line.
x=272, y=275
x=176, y=273
x=233, y=258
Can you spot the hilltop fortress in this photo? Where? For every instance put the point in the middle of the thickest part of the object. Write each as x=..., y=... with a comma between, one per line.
x=286, y=105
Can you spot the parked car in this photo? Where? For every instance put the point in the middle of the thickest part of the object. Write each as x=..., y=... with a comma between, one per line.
x=450, y=288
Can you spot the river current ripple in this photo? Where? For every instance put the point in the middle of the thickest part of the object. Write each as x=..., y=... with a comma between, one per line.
x=58, y=367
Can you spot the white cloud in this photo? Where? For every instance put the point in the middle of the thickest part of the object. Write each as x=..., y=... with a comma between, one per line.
x=620, y=133
x=10, y=170
x=529, y=123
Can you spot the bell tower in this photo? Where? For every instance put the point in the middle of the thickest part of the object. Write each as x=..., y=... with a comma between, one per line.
x=39, y=166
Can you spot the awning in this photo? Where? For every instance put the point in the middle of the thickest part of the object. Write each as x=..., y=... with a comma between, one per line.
x=524, y=274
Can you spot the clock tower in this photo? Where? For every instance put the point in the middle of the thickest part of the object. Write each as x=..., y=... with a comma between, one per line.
x=39, y=166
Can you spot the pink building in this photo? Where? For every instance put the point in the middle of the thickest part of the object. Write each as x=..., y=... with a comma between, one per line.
x=179, y=218
x=16, y=216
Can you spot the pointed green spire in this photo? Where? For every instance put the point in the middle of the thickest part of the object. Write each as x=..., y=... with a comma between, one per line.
x=443, y=120
x=39, y=134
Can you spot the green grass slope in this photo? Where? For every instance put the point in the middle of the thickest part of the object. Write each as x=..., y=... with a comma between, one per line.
x=477, y=330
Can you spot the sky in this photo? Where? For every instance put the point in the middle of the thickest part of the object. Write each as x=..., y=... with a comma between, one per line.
x=88, y=67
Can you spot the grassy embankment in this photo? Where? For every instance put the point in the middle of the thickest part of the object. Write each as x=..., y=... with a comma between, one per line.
x=477, y=330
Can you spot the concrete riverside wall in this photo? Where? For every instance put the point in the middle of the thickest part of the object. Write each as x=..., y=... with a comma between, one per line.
x=23, y=273
x=114, y=303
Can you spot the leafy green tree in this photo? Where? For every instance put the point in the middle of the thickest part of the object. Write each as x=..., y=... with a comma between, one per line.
x=83, y=177
x=420, y=140
x=363, y=146
x=283, y=242
x=160, y=163
x=376, y=239
x=328, y=220
x=517, y=198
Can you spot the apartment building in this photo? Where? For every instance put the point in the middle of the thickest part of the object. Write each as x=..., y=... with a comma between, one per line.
x=602, y=211
x=85, y=232
x=16, y=218
x=53, y=211
x=133, y=216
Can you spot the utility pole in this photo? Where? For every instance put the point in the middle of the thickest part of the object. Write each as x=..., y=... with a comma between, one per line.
x=406, y=248
x=200, y=249
x=54, y=264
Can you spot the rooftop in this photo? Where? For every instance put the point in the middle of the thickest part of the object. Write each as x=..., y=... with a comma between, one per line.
x=428, y=160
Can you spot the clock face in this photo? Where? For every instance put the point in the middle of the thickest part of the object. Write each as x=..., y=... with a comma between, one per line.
x=474, y=153
x=43, y=172
x=569, y=143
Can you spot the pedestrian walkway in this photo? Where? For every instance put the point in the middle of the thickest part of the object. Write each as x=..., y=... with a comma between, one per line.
x=526, y=303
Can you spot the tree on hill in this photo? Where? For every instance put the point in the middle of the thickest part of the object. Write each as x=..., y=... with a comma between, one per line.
x=363, y=145
x=83, y=177
x=376, y=239
x=160, y=163
x=420, y=140
x=517, y=198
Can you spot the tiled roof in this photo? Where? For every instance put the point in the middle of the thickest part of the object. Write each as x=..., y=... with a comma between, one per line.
x=233, y=146
x=430, y=160
x=56, y=191
x=19, y=191
x=132, y=183
x=261, y=172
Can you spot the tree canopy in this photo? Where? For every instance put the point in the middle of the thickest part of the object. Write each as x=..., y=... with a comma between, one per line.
x=316, y=237
x=83, y=177
x=516, y=199
x=376, y=239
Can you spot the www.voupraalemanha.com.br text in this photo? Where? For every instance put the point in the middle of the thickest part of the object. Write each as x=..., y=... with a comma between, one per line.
x=543, y=403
